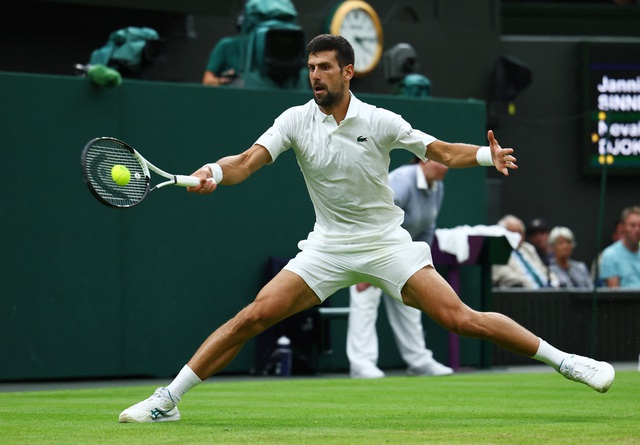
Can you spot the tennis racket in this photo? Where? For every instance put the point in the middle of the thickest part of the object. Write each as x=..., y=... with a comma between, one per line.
x=100, y=155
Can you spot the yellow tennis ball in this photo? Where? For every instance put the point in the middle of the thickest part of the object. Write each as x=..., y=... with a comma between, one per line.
x=120, y=174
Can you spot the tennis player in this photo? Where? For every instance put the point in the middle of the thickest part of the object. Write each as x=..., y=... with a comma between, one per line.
x=343, y=146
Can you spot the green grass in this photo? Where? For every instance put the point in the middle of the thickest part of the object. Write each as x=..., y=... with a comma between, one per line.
x=536, y=408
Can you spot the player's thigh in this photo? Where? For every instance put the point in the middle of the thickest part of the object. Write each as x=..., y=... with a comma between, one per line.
x=285, y=295
x=428, y=291
x=324, y=271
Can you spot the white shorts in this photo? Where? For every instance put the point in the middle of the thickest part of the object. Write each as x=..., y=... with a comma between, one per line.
x=387, y=264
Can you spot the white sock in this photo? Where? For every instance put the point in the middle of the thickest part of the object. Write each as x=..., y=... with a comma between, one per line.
x=184, y=381
x=550, y=355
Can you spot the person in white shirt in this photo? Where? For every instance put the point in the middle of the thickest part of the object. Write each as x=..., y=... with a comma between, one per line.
x=343, y=147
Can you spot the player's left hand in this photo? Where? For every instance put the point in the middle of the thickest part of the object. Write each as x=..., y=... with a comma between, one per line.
x=502, y=157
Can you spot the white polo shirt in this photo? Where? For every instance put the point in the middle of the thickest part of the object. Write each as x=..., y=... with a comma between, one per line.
x=346, y=166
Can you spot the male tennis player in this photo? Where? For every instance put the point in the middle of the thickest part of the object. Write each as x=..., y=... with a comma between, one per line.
x=342, y=146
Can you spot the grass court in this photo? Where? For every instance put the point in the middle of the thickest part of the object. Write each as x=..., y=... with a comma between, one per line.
x=466, y=408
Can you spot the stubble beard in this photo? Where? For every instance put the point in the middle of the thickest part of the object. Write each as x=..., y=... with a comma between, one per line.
x=330, y=98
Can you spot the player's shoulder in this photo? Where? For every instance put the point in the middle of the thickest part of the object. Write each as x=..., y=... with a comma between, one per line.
x=385, y=124
x=298, y=112
x=374, y=112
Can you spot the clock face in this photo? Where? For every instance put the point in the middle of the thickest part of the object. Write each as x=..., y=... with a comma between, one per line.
x=358, y=22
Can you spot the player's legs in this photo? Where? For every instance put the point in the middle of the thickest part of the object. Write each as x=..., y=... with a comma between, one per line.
x=285, y=295
x=362, y=336
x=428, y=291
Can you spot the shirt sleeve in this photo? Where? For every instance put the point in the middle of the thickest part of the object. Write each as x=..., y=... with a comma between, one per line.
x=415, y=141
x=400, y=134
x=276, y=139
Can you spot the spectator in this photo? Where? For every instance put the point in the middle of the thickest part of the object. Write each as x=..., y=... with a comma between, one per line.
x=418, y=191
x=226, y=60
x=525, y=268
x=570, y=273
x=616, y=234
x=538, y=236
x=620, y=265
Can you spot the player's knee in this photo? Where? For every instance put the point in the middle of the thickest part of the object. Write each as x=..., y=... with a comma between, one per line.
x=466, y=323
x=256, y=317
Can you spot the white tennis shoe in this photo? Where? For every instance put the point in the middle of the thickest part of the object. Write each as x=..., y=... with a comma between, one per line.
x=595, y=374
x=366, y=372
x=432, y=368
x=160, y=407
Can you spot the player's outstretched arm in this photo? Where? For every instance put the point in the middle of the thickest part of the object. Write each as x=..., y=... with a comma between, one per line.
x=230, y=170
x=459, y=155
x=503, y=158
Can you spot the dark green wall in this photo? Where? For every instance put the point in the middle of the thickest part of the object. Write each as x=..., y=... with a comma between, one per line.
x=89, y=291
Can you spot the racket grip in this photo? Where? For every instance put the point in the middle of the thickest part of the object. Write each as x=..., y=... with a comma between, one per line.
x=187, y=181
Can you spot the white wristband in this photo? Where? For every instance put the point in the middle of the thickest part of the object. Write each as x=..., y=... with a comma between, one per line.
x=216, y=172
x=483, y=156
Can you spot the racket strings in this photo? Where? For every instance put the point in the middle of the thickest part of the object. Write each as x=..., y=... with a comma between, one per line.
x=99, y=159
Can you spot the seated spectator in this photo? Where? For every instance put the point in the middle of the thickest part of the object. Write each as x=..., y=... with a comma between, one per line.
x=616, y=234
x=570, y=273
x=524, y=268
x=538, y=236
x=225, y=62
x=620, y=265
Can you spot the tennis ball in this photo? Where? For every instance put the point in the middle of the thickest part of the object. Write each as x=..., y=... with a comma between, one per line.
x=120, y=174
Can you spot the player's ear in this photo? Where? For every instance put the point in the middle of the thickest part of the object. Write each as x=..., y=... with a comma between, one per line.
x=348, y=72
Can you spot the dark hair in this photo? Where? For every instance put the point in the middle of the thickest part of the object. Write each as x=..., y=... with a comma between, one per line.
x=329, y=42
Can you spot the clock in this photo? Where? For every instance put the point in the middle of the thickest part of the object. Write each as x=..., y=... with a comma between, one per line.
x=358, y=22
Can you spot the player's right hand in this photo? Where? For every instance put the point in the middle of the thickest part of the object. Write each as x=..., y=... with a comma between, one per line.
x=207, y=184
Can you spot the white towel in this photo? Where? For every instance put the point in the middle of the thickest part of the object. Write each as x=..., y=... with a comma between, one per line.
x=455, y=240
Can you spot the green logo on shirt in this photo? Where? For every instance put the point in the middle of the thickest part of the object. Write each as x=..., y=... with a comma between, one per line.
x=362, y=139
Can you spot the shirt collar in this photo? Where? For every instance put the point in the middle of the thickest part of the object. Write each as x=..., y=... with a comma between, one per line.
x=421, y=181
x=354, y=107
x=352, y=111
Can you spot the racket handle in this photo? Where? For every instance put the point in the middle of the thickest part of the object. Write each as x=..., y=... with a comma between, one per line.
x=187, y=181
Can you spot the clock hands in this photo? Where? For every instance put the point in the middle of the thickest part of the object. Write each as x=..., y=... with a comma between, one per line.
x=365, y=48
x=365, y=39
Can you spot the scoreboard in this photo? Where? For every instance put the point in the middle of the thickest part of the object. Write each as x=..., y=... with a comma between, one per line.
x=611, y=104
